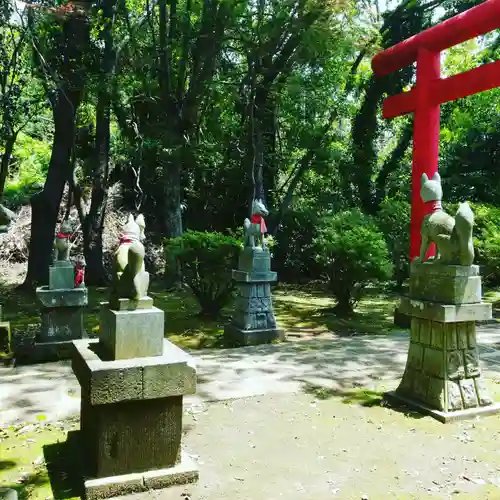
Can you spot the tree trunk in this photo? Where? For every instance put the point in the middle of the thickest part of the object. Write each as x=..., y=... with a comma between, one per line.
x=94, y=221
x=173, y=215
x=45, y=204
x=4, y=166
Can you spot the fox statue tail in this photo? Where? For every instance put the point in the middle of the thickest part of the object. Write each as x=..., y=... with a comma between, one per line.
x=464, y=221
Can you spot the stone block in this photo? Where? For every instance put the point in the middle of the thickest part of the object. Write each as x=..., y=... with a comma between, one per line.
x=436, y=269
x=421, y=386
x=415, y=356
x=62, y=276
x=450, y=336
x=415, y=330
x=482, y=392
x=113, y=486
x=61, y=324
x=132, y=334
x=468, y=390
x=437, y=335
x=255, y=260
x=254, y=277
x=445, y=288
x=185, y=472
x=471, y=334
x=471, y=363
x=436, y=393
x=434, y=363
x=176, y=377
x=71, y=297
x=425, y=332
x=445, y=313
x=407, y=382
x=454, y=396
x=235, y=336
x=455, y=363
x=461, y=335
x=131, y=436
x=109, y=382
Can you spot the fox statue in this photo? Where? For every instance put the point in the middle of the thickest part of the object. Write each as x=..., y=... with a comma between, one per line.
x=452, y=235
x=255, y=229
x=130, y=279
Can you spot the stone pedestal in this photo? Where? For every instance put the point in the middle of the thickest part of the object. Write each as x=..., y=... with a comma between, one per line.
x=61, y=314
x=442, y=375
x=253, y=320
x=131, y=407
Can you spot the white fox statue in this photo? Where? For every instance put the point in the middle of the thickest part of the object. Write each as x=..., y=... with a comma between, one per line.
x=452, y=235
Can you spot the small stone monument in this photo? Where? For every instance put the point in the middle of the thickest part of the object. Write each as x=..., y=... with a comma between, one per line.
x=253, y=320
x=63, y=302
x=442, y=376
x=132, y=384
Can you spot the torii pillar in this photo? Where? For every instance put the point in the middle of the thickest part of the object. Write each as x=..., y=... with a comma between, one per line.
x=430, y=90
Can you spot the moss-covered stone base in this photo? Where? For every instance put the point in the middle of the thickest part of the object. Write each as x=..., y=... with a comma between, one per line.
x=442, y=370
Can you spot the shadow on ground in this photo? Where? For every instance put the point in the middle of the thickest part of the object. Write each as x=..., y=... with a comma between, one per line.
x=63, y=468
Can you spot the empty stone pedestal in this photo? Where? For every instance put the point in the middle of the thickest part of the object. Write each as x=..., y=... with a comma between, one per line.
x=442, y=377
x=131, y=407
x=253, y=320
x=61, y=322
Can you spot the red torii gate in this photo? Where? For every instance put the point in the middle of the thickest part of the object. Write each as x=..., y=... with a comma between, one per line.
x=430, y=90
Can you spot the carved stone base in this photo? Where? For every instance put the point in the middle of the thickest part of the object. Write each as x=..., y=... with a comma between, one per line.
x=236, y=337
x=442, y=371
x=253, y=320
x=442, y=416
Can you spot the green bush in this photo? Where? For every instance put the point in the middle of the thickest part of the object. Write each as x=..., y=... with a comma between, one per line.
x=206, y=260
x=294, y=255
x=353, y=254
x=394, y=221
x=487, y=240
x=28, y=170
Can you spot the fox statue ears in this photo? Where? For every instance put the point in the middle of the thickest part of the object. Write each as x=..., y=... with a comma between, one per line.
x=424, y=178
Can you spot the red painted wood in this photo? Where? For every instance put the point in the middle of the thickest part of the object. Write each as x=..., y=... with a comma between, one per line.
x=477, y=21
x=399, y=104
x=425, y=141
x=447, y=89
x=470, y=82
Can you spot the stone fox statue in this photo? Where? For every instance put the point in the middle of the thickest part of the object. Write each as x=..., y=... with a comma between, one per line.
x=130, y=279
x=62, y=243
x=452, y=235
x=256, y=228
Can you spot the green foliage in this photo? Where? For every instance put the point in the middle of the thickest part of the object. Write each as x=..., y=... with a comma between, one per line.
x=487, y=240
x=206, y=260
x=353, y=254
x=294, y=256
x=28, y=170
x=394, y=222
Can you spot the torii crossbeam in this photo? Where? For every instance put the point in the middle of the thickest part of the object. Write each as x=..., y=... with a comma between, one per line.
x=430, y=90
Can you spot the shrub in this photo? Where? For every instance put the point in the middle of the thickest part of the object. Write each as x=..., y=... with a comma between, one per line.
x=294, y=255
x=28, y=170
x=206, y=260
x=394, y=221
x=487, y=240
x=353, y=254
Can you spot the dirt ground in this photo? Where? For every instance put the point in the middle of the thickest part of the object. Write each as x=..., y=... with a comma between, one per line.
x=298, y=447
x=301, y=447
